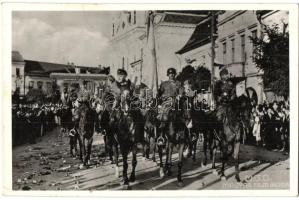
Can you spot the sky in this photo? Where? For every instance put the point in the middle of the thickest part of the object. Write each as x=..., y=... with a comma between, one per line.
x=61, y=37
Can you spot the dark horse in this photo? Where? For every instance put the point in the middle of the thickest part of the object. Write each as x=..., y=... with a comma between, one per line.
x=107, y=128
x=126, y=126
x=227, y=126
x=86, y=131
x=176, y=132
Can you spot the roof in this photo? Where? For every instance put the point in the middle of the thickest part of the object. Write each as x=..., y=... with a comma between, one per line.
x=78, y=76
x=16, y=57
x=262, y=12
x=199, y=37
x=38, y=68
x=184, y=16
x=44, y=68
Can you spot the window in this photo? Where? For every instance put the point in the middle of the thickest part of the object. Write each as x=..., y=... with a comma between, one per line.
x=134, y=19
x=254, y=35
x=243, y=56
x=112, y=29
x=224, y=53
x=123, y=63
x=18, y=72
x=233, y=50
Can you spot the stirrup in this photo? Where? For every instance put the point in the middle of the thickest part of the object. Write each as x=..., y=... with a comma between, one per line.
x=72, y=132
x=160, y=141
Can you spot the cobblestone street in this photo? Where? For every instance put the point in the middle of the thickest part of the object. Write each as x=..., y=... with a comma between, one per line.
x=47, y=165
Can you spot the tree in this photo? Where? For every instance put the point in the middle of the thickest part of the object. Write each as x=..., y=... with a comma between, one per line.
x=200, y=78
x=271, y=55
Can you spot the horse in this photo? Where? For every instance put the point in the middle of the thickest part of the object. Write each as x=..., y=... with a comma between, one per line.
x=193, y=117
x=227, y=130
x=102, y=125
x=127, y=129
x=175, y=130
x=86, y=131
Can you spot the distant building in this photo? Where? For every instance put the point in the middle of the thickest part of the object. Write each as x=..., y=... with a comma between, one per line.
x=235, y=48
x=17, y=72
x=128, y=43
x=31, y=74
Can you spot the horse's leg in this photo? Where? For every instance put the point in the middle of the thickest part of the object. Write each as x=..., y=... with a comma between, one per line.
x=236, y=158
x=180, y=164
x=224, y=157
x=153, y=148
x=89, y=145
x=124, y=153
x=115, y=159
x=168, y=162
x=76, y=140
x=205, y=144
x=147, y=147
x=80, y=147
x=134, y=163
x=194, y=144
x=190, y=147
x=214, y=147
x=71, y=141
x=160, y=152
x=84, y=150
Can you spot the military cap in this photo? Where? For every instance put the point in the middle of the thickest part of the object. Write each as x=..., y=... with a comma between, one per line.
x=223, y=72
x=171, y=71
x=122, y=72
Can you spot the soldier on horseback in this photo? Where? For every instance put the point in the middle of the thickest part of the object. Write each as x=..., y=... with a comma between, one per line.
x=225, y=96
x=231, y=115
x=123, y=83
x=168, y=92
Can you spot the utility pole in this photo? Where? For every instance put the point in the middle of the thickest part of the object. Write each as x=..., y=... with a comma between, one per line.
x=212, y=57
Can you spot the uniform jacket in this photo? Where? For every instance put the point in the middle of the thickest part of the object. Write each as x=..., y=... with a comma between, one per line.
x=170, y=88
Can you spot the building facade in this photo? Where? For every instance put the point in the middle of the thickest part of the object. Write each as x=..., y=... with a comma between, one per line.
x=17, y=72
x=234, y=48
x=128, y=43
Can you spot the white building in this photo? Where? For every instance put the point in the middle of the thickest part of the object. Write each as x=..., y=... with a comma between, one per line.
x=128, y=43
x=17, y=72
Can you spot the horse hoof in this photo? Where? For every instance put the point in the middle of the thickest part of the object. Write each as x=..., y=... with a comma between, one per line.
x=132, y=178
x=161, y=173
x=223, y=178
x=180, y=184
x=116, y=172
x=215, y=172
x=238, y=178
x=81, y=166
x=125, y=186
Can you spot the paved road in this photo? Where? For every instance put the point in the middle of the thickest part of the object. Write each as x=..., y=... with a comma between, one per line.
x=47, y=165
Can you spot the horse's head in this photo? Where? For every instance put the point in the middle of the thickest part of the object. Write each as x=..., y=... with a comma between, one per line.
x=125, y=102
